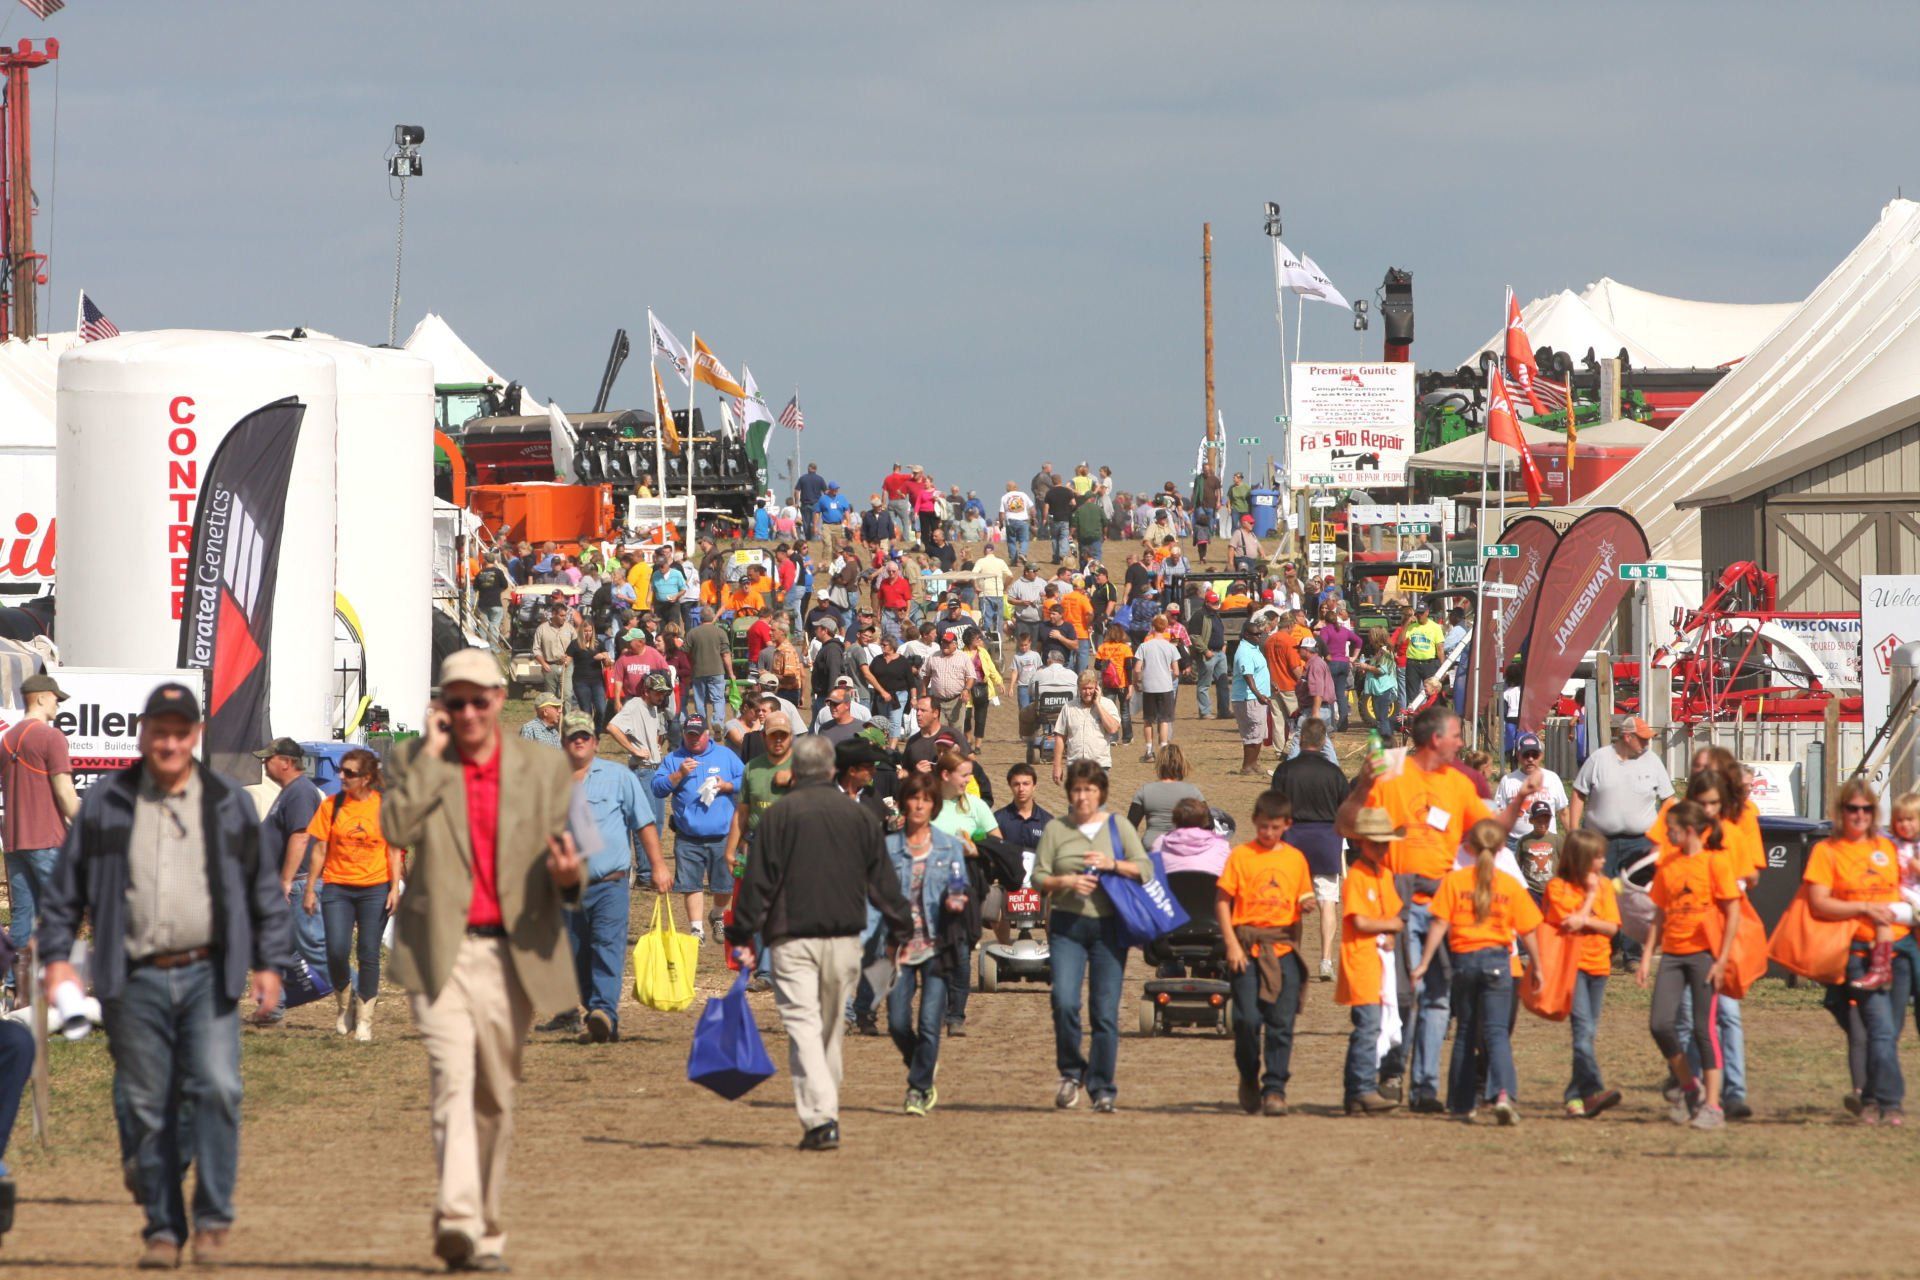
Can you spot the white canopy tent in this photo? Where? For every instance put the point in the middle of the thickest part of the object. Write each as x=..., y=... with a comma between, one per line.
x=1849, y=351
x=454, y=362
x=1466, y=453
x=1657, y=332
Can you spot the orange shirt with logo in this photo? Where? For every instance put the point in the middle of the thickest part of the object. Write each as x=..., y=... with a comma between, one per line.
x=1363, y=892
x=1076, y=607
x=1436, y=809
x=1267, y=887
x=1740, y=840
x=1512, y=912
x=1595, y=952
x=356, y=852
x=1858, y=871
x=1686, y=887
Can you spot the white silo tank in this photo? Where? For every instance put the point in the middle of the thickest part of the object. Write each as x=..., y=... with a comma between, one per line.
x=384, y=539
x=137, y=420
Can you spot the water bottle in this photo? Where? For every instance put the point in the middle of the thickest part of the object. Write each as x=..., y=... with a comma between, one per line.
x=1376, y=752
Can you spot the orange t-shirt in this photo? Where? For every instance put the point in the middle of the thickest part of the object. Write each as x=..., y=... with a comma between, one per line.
x=1512, y=912
x=1595, y=954
x=356, y=852
x=1363, y=893
x=1740, y=841
x=1076, y=607
x=1283, y=660
x=1858, y=871
x=1686, y=887
x=1436, y=809
x=1267, y=886
x=1120, y=654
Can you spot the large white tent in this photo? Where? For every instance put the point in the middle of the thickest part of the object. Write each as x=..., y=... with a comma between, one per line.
x=1850, y=350
x=454, y=362
x=1657, y=332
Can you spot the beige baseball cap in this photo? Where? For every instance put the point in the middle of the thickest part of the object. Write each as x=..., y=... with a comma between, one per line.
x=472, y=666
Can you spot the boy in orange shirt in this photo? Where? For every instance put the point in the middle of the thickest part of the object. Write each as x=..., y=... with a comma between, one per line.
x=1258, y=905
x=1369, y=917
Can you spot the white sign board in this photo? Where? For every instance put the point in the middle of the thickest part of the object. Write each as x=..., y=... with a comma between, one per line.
x=1835, y=641
x=101, y=715
x=1889, y=618
x=1775, y=790
x=1366, y=516
x=1322, y=552
x=1352, y=421
x=26, y=515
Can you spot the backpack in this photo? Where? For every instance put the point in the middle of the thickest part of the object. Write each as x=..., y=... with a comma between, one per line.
x=1110, y=677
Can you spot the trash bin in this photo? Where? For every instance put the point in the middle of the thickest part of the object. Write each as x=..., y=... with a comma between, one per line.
x=1787, y=842
x=1266, y=511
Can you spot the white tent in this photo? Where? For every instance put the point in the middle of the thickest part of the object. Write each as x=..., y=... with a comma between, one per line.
x=1657, y=332
x=454, y=362
x=1850, y=350
x=1466, y=453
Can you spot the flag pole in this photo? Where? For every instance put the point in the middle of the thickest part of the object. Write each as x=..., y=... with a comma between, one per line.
x=796, y=441
x=1286, y=370
x=659, y=431
x=693, y=385
x=1480, y=583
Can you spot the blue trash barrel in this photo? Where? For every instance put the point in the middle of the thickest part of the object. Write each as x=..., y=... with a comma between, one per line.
x=1266, y=511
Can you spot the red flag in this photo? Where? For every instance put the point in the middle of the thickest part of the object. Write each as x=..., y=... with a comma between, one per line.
x=1522, y=372
x=1503, y=427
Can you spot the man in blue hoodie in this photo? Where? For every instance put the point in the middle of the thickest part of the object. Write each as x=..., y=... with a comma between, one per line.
x=703, y=779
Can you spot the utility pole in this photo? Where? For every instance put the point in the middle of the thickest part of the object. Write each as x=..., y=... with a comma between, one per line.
x=21, y=273
x=1206, y=275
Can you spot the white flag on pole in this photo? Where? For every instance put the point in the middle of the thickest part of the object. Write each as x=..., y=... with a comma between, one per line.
x=1302, y=275
x=560, y=433
x=754, y=408
x=665, y=344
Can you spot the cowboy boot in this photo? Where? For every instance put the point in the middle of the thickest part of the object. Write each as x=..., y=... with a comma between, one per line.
x=363, y=1020
x=343, y=1002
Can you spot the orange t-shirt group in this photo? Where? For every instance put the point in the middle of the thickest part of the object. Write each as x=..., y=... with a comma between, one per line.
x=1363, y=892
x=1858, y=871
x=1436, y=809
x=1267, y=887
x=1595, y=952
x=1511, y=912
x=1686, y=888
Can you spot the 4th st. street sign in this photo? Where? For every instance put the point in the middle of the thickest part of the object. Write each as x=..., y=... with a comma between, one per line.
x=1642, y=572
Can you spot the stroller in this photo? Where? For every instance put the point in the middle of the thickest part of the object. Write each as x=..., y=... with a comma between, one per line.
x=1191, y=989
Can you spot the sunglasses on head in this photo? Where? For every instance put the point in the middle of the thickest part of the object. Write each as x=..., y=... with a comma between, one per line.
x=1860, y=808
x=461, y=704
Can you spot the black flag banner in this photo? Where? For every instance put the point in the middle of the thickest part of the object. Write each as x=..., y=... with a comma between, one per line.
x=226, y=626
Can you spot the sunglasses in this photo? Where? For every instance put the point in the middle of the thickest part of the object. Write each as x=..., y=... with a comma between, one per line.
x=353, y=773
x=582, y=736
x=1860, y=808
x=457, y=705
x=1530, y=754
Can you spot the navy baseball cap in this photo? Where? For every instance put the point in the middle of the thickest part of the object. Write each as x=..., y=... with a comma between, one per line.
x=1528, y=742
x=172, y=699
x=695, y=724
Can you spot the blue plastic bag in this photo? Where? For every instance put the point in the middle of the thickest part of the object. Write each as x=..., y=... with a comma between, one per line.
x=728, y=1055
x=1146, y=909
x=301, y=983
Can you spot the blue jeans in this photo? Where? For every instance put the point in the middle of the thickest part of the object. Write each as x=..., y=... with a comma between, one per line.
x=1733, y=1045
x=1272, y=1062
x=957, y=992
x=175, y=1040
x=897, y=715
x=29, y=872
x=1082, y=655
x=1381, y=708
x=993, y=614
x=918, y=1041
x=1869, y=1021
x=1589, y=990
x=16, y=1068
x=590, y=696
x=1483, y=995
x=707, y=695
x=1210, y=685
x=1362, y=1074
x=1342, y=678
x=599, y=933
x=1087, y=949
x=345, y=908
x=1090, y=549
x=1019, y=534
x=309, y=930
x=1428, y=1034
x=1060, y=540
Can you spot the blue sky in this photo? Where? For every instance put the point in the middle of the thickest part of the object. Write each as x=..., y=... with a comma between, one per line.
x=970, y=234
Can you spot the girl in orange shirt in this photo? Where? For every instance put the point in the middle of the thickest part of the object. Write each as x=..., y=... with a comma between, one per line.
x=1481, y=912
x=1854, y=875
x=1579, y=900
x=1686, y=887
x=1114, y=660
x=358, y=877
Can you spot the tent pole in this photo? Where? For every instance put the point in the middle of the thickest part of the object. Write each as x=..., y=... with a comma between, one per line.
x=1480, y=587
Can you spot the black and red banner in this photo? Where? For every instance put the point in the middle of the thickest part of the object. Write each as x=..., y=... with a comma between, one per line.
x=226, y=622
x=1501, y=631
x=1578, y=596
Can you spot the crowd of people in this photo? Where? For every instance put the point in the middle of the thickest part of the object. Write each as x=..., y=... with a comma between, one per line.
x=798, y=767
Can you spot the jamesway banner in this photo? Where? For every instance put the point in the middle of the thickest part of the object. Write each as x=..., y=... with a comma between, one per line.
x=226, y=626
x=1578, y=596
x=1502, y=629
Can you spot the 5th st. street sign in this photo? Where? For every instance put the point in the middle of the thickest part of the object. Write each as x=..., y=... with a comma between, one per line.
x=1501, y=551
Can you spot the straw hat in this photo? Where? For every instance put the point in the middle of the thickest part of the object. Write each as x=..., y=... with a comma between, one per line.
x=1377, y=825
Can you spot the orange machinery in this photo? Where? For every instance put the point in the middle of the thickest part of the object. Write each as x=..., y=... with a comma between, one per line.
x=561, y=513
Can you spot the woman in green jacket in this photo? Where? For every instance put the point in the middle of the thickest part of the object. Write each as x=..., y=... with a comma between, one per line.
x=1075, y=853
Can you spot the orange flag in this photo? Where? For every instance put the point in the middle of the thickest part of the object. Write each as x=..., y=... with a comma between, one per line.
x=1503, y=427
x=663, y=414
x=1522, y=372
x=709, y=370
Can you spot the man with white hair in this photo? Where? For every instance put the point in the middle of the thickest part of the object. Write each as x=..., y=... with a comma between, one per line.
x=817, y=861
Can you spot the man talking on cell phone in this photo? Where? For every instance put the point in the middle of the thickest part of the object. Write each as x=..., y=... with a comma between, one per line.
x=481, y=944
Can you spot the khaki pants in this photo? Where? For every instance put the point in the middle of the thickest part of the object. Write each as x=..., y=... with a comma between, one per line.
x=474, y=1032
x=812, y=980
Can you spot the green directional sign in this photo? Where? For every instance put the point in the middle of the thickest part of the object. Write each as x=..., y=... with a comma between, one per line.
x=1410, y=528
x=1501, y=551
x=1642, y=572
x=1250, y=441
x=1321, y=480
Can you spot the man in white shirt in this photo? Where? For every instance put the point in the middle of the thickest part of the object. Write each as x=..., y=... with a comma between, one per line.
x=990, y=574
x=1016, y=516
x=1084, y=730
x=1027, y=591
x=1158, y=663
x=1551, y=789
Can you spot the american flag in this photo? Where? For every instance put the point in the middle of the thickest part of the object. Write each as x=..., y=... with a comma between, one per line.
x=1523, y=379
x=791, y=417
x=44, y=9
x=94, y=324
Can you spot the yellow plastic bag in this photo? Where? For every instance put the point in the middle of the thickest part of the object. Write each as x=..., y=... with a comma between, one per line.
x=663, y=963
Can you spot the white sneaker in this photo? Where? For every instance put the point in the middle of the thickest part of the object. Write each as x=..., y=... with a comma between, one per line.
x=1326, y=971
x=698, y=930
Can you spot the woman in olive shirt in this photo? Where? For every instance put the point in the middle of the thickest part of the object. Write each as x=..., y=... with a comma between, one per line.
x=1082, y=932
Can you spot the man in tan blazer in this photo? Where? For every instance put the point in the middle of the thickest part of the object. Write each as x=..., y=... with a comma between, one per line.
x=481, y=942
